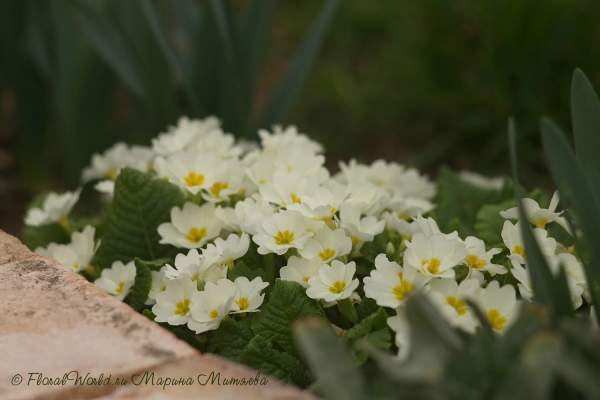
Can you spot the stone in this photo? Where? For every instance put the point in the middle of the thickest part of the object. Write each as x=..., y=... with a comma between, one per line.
x=56, y=325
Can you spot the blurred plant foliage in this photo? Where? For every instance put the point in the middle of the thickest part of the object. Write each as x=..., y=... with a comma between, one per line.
x=551, y=352
x=87, y=73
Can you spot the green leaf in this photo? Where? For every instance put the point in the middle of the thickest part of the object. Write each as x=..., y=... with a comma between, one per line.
x=366, y=307
x=149, y=314
x=575, y=190
x=329, y=362
x=288, y=302
x=241, y=269
x=141, y=286
x=169, y=52
x=42, y=236
x=489, y=223
x=231, y=338
x=111, y=45
x=374, y=329
x=585, y=112
x=140, y=205
x=261, y=356
x=460, y=200
x=155, y=265
x=288, y=88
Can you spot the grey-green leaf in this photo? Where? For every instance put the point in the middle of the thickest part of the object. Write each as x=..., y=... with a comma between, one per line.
x=141, y=286
x=141, y=203
x=231, y=338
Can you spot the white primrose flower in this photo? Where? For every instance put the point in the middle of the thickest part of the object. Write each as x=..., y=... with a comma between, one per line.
x=118, y=279
x=300, y=270
x=159, y=284
x=451, y=298
x=106, y=186
x=429, y=227
x=359, y=229
x=55, y=208
x=368, y=198
x=481, y=181
x=230, y=181
x=539, y=216
x=406, y=229
x=247, y=216
x=574, y=269
x=300, y=159
x=408, y=207
x=327, y=245
x=399, y=324
x=288, y=137
x=194, y=170
x=109, y=164
x=478, y=259
x=248, y=297
x=333, y=282
x=190, y=227
x=390, y=284
x=499, y=305
x=322, y=204
x=513, y=240
x=281, y=232
x=412, y=184
x=77, y=254
x=219, y=142
x=200, y=268
x=287, y=188
x=524, y=280
x=186, y=133
x=435, y=256
x=227, y=251
x=173, y=304
x=210, y=306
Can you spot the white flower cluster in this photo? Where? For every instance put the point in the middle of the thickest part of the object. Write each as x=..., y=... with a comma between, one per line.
x=279, y=199
x=77, y=254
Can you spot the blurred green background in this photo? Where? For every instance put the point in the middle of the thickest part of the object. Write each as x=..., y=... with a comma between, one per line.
x=423, y=82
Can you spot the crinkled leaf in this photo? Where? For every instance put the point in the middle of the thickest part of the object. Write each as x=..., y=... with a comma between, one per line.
x=231, y=338
x=141, y=286
x=366, y=308
x=140, y=205
x=489, y=223
x=149, y=314
x=261, y=356
x=241, y=269
x=373, y=322
x=155, y=265
x=42, y=236
x=287, y=303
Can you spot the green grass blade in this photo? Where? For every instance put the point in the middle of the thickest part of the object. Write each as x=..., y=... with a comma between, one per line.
x=253, y=32
x=111, y=46
x=585, y=112
x=288, y=88
x=168, y=51
x=574, y=189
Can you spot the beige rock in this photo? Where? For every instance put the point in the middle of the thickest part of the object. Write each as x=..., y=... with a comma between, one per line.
x=53, y=322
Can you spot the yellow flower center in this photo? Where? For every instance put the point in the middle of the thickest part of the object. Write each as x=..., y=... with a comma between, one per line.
x=327, y=254
x=402, y=290
x=406, y=217
x=474, y=262
x=306, y=278
x=284, y=238
x=459, y=305
x=519, y=250
x=196, y=235
x=496, y=320
x=112, y=174
x=539, y=223
x=217, y=187
x=243, y=303
x=119, y=289
x=433, y=265
x=355, y=241
x=295, y=199
x=214, y=314
x=194, y=179
x=182, y=308
x=338, y=287
x=333, y=210
x=379, y=182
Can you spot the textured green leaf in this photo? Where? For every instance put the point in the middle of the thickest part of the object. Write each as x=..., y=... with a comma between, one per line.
x=489, y=223
x=42, y=236
x=141, y=286
x=261, y=356
x=287, y=303
x=585, y=112
x=575, y=190
x=111, y=46
x=231, y=338
x=155, y=265
x=373, y=322
x=241, y=269
x=149, y=314
x=458, y=199
x=288, y=88
x=366, y=308
x=140, y=204
x=330, y=363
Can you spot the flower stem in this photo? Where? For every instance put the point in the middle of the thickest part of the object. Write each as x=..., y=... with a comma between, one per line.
x=348, y=310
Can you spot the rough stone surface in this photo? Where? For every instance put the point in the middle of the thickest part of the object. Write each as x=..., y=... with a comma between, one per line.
x=52, y=322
